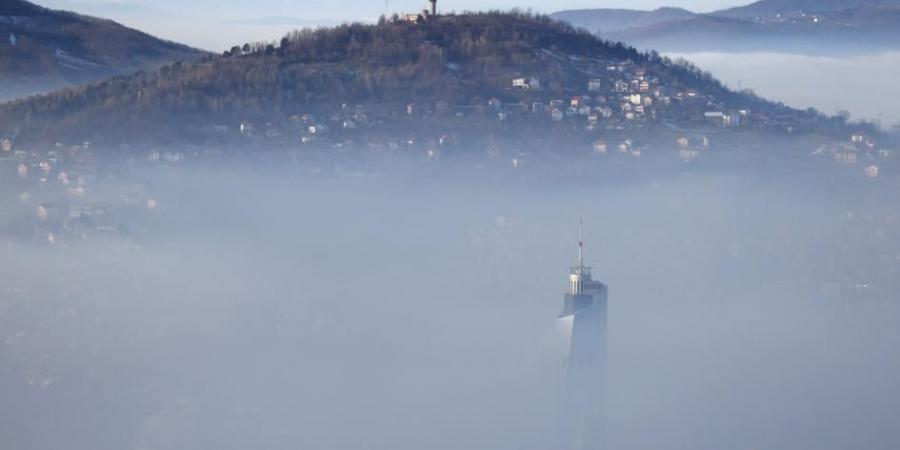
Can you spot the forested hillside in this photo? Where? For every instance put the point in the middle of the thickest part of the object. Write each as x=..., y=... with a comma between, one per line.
x=43, y=50
x=464, y=59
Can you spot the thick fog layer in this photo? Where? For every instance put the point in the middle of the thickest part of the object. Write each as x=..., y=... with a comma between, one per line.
x=254, y=311
x=864, y=85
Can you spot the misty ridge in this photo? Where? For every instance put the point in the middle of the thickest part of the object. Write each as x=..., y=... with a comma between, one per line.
x=860, y=84
x=811, y=27
x=255, y=309
x=829, y=55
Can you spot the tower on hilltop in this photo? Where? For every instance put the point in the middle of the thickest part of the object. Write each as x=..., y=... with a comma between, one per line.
x=425, y=15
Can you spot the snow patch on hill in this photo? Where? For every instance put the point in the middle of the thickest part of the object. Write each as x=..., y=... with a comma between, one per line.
x=72, y=62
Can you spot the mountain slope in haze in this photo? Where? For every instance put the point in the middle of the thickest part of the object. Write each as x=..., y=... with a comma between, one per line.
x=612, y=20
x=819, y=27
x=774, y=9
x=43, y=50
x=860, y=30
x=457, y=61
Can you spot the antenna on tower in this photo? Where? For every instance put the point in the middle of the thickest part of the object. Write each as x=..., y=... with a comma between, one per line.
x=581, y=243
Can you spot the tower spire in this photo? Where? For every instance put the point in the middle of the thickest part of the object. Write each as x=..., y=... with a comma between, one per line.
x=581, y=243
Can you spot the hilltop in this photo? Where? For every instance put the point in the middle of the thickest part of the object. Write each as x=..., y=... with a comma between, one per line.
x=42, y=50
x=458, y=62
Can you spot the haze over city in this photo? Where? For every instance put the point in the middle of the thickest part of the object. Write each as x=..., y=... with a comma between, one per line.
x=449, y=225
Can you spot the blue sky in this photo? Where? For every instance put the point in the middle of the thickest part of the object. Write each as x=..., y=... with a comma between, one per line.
x=218, y=24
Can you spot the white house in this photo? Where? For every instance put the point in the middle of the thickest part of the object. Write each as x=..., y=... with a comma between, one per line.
x=557, y=115
x=872, y=171
x=526, y=83
x=845, y=157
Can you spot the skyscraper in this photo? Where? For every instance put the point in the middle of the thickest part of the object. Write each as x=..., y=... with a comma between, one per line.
x=583, y=322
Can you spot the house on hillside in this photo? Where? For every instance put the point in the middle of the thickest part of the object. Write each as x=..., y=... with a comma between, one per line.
x=716, y=117
x=872, y=171
x=247, y=129
x=413, y=18
x=846, y=155
x=526, y=83
x=425, y=15
x=688, y=154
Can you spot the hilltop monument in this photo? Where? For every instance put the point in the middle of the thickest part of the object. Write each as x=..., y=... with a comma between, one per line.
x=426, y=14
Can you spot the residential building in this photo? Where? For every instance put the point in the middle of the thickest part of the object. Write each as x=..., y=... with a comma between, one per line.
x=526, y=83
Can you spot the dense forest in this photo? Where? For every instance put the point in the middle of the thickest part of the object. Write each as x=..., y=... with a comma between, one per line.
x=456, y=58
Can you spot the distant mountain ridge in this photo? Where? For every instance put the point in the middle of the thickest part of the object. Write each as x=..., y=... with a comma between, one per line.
x=802, y=26
x=612, y=20
x=767, y=9
x=43, y=49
